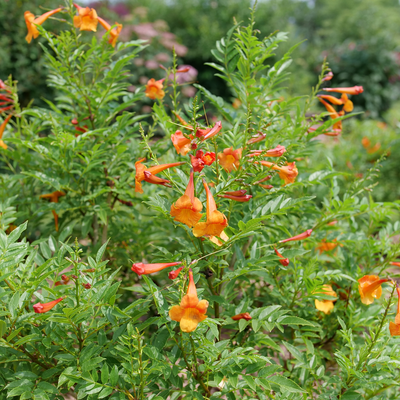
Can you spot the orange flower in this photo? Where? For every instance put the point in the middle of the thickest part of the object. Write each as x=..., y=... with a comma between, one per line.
x=208, y=133
x=278, y=151
x=154, y=89
x=187, y=208
x=114, y=33
x=229, y=159
x=2, y=128
x=183, y=122
x=146, y=269
x=238, y=193
x=347, y=90
x=284, y=261
x=395, y=263
x=242, y=198
x=328, y=76
x=288, y=172
x=302, y=236
x=53, y=198
x=326, y=306
x=140, y=173
x=326, y=246
x=337, y=126
x=191, y=311
x=181, y=143
x=201, y=160
x=258, y=138
x=344, y=101
x=244, y=315
x=87, y=19
x=370, y=288
x=215, y=223
x=31, y=22
x=174, y=274
x=394, y=327
x=40, y=308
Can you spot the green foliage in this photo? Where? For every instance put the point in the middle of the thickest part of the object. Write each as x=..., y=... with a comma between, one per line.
x=111, y=335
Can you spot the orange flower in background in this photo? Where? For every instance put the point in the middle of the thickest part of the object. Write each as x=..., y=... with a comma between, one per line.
x=229, y=159
x=181, y=143
x=343, y=101
x=302, y=236
x=326, y=306
x=326, y=246
x=146, y=269
x=244, y=315
x=347, y=90
x=370, y=288
x=31, y=22
x=140, y=173
x=395, y=263
x=191, y=311
x=40, y=308
x=394, y=327
x=114, y=33
x=154, y=89
x=284, y=261
x=215, y=223
x=87, y=19
x=236, y=103
x=53, y=198
x=2, y=128
x=288, y=172
x=187, y=208
x=367, y=145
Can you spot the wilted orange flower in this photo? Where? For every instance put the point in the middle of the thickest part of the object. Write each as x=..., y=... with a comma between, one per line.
x=326, y=246
x=328, y=76
x=174, y=274
x=258, y=138
x=302, y=236
x=87, y=19
x=31, y=23
x=215, y=223
x=244, y=315
x=187, y=208
x=53, y=198
x=64, y=280
x=230, y=159
x=370, y=288
x=114, y=33
x=40, y=308
x=347, y=90
x=154, y=89
x=191, y=311
x=326, y=306
x=236, y=103
x=284, y=261
x=394, y=327
x=146, y=269
x=140, y=173
x=2, y=128
x=288, y=172
x=181, y=143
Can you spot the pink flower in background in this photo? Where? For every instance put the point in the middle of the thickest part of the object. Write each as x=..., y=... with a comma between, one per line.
x=151, y=64
x=138, y=62
x=185, y=77
x=189, y=91
x=162, y=57
x=145, y=31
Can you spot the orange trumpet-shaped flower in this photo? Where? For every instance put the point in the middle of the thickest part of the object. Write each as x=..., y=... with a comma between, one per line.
x=328, y=76
x=183, y=122
x=244, y=315
x=53, y=198
x=201, y=160
x=278, y=151
x=284, y=261
x=238, y=193
x=326, y=306
x=347, y=90
x=146, y=269
x=174, y=274
x=394, y=327
x=187, y=208
x=302, y=236
x=154, y=89
x=155, y=180
x=230, y=159
x=258, y=138
x=241, y=198
x=370, y=288
x=114, y=33
x=215, y=223
x=31, y=23
x=40, y=308
x=208, y=133
x=288, y=172
x=87, y=19
x=191, y=311
x=326, y=246
x=181, y=143
x=343, y=101
x=2, y=128
x=140, y=175
x=395, y=263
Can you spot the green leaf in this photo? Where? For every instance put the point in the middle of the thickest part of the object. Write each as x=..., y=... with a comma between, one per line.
x=105, y=392
x=289, y=320
x=114, y=376
x=285, y=383
x=104, y=373
x=101, y=251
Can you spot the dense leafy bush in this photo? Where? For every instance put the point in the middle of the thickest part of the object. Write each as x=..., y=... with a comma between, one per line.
x=263, y=236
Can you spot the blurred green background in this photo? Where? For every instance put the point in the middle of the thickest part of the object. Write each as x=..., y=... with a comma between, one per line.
x=359, y=38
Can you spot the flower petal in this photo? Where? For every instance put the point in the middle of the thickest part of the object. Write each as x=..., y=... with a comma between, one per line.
x=176, y=313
